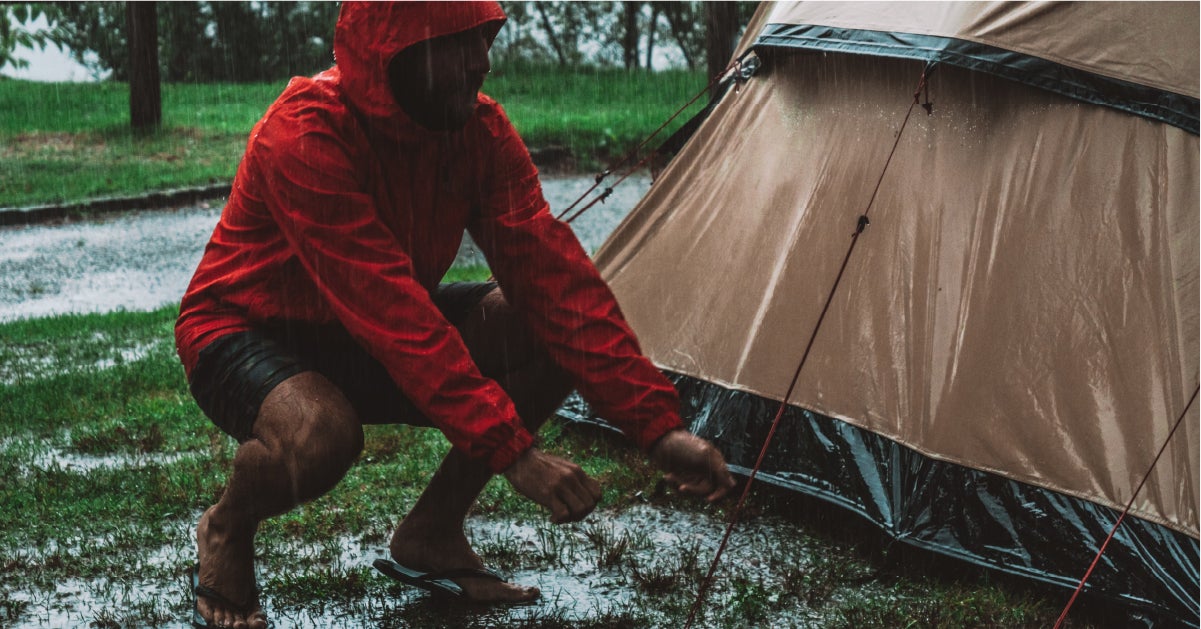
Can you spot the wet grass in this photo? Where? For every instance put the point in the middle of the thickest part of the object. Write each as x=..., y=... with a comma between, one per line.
x=70, y=141
x=107, y=464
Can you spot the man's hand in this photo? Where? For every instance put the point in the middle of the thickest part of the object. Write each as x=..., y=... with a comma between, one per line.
x=693, y=465
x=555, y=483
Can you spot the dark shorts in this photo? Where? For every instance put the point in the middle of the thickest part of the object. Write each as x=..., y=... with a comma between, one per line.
x=234, y=373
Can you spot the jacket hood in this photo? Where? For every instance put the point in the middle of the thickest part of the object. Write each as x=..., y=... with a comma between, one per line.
x=369, y=34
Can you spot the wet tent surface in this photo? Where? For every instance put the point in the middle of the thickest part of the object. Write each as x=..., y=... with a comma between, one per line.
x=143, y=260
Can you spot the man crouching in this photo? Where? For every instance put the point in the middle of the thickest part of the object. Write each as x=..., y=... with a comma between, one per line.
x=317, y=308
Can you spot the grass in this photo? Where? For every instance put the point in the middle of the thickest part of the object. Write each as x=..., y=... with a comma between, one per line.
x=107, y=464
x=64, y=142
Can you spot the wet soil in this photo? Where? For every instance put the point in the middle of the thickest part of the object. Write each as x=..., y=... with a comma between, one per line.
x=142, y=260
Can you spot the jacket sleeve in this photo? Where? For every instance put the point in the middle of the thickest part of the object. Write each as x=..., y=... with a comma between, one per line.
x=315, y=194
x=549, y=278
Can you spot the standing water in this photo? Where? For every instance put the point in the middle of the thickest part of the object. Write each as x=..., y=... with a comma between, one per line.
x=143, y=260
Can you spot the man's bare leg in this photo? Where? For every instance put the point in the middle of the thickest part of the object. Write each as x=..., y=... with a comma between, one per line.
x=305, y=438
x=431, y=538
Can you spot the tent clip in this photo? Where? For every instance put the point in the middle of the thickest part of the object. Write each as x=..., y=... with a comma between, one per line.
x=745, y=68
x=923, y=89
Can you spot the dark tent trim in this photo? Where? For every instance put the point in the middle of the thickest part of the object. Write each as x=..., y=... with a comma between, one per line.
x=1175, y=109
x=972, y=515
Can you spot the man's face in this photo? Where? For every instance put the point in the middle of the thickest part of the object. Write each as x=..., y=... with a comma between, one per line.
x=436, y=81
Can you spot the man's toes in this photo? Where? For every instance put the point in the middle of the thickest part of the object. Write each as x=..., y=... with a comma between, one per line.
x=222, y=618
x=511, y=592
x=529, y=594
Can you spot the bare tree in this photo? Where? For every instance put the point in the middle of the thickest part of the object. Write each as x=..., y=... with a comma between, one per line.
x=551, y=34
x=681, y=17
x=650, y=35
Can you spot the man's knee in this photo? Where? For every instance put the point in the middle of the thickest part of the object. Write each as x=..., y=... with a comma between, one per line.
x=505, y=350
x=499, y=340
x=313, y=426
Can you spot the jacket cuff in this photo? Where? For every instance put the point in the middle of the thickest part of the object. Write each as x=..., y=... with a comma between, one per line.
x=653, y=431
x=508, y=452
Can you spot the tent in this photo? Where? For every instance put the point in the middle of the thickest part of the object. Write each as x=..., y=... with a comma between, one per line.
x=1015, y=334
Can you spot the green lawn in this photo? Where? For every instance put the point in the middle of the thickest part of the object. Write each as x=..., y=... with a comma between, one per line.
x=68, y=142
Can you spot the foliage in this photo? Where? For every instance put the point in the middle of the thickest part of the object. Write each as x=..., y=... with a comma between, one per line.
x=209, y=41
x=16, y=31
x=259, y=41
x=601, y=33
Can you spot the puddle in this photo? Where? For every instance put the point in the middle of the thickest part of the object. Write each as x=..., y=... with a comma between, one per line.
x=83, y=463
x=634, y=567
x=29, y=362
x=143, y=260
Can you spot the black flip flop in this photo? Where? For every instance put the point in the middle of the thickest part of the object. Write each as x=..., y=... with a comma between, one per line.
x=439, y=583
x=198, y=590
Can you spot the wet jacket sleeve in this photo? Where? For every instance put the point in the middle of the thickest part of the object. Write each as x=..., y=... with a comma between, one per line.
x=315, y=194
x=549, y=278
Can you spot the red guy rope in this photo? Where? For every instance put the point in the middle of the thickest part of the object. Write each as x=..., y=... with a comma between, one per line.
x=601, y=177
x=746, y=490
x=1087, y=573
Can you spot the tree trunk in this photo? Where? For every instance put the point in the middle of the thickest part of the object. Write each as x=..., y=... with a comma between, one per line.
x=721, y=22
x=671, y=11
x=650, y=37
x=145, y=100
x=629, y=43
x=550, y=34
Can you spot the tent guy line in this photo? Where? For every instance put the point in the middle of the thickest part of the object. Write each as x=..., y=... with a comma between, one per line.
x=1104, y=545
x=733, y=71
x=861, y=225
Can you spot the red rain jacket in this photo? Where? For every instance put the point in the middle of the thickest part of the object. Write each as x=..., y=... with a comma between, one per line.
x=344, y=209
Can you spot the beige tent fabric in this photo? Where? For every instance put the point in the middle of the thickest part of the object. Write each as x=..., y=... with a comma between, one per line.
x=1025, y=300
x=1140, y=42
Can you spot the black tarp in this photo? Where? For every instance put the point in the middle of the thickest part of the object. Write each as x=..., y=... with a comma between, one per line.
x=969, y=514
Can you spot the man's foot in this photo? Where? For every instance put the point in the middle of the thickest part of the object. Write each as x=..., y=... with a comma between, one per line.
x=439, y=550
x=226, y=557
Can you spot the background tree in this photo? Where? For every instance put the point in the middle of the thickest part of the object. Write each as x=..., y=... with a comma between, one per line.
x=145, y=100
x=261, y=41
x=682, y=20
x=17, y=31
x=721, y=26
x=209, y=41
x=630, y=37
